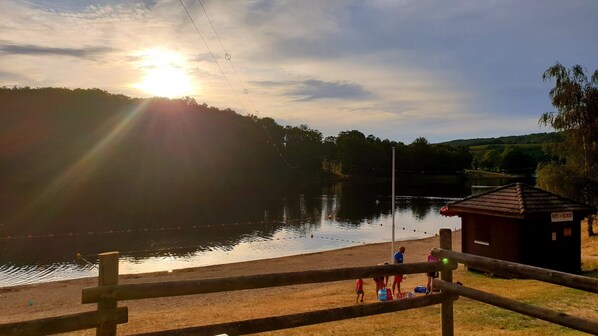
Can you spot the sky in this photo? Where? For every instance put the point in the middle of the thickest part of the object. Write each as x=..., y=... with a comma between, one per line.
x=398, y=70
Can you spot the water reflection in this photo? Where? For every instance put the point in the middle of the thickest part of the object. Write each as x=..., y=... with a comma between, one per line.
x=244, y=226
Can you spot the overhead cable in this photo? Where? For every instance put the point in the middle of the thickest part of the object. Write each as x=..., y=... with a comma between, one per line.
x=228, y=57
x=211, y=53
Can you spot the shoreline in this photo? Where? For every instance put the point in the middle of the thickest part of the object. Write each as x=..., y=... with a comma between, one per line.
x=41, y=300
x=241, y=265
x=131, y=266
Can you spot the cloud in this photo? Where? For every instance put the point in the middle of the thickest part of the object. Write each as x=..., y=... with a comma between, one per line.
x=395, y=69
x=33, y=50
x=313, y=89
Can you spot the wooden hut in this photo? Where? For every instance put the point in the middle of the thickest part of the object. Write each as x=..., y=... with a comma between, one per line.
x=523, y=224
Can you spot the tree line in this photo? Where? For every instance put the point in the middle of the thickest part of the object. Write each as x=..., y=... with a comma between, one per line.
x=185, y=133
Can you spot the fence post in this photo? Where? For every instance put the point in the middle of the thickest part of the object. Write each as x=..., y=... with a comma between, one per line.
x=446, y=308
x=108, y=275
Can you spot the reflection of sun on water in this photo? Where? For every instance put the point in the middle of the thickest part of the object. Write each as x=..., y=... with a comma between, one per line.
x=164, y=74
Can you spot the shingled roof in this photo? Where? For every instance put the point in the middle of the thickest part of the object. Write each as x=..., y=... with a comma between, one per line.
x=517, y=200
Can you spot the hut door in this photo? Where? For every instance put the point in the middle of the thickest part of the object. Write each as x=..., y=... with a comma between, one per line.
x=561, y=245
x=562, y=242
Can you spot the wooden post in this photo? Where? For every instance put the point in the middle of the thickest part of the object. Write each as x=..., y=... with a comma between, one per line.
x=108, y=276
x=446, y=308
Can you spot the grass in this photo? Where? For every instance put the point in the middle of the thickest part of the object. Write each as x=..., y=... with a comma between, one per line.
x=478, y=148
x=471, y=317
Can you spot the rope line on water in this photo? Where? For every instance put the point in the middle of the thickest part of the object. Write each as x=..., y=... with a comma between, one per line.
x=204, y=226
x=80, y=256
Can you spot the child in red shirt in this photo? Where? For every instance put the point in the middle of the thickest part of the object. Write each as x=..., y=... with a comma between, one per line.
x=359, y=289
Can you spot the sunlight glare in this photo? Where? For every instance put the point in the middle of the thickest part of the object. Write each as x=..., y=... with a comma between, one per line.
x=164, y=74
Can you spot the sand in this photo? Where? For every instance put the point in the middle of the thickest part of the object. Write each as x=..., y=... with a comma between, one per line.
x=64, y=297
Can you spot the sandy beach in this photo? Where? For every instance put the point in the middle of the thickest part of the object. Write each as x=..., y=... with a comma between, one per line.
x=64, y=297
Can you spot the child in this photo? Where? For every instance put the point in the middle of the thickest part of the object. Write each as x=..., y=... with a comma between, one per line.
x=381, y=282
x=398, y=259
x=359, y=289
x=431, y=275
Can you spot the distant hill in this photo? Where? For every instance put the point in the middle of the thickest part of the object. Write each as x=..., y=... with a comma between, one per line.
x=534, y=138
x=516, y=154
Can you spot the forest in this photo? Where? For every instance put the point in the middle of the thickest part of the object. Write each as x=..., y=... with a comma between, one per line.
x=45, y=130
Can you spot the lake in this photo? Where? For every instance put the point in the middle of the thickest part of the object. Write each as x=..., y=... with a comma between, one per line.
x=240, y=227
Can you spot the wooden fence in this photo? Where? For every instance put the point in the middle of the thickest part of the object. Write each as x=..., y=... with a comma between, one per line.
x=523, y=271
x=107, y=294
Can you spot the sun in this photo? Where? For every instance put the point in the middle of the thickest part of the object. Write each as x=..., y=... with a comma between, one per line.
x=164, y=74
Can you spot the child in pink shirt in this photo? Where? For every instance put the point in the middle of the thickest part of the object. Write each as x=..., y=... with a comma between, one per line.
x=431, y=275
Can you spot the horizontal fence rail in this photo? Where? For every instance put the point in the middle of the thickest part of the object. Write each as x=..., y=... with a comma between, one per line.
x=108, y=293
x=308, y=318
x=523, y=308
x=64, y=323
x=523, y=271
x=213, y=285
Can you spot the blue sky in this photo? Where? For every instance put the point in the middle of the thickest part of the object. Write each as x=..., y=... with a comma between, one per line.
x=397, y=69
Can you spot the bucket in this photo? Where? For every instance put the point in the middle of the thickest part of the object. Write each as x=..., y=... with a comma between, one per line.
x=382, y=294
x=388, y=294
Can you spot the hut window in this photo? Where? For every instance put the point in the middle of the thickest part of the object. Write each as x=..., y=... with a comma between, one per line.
x=554, y=236
x=481, y=235
x=567, y=232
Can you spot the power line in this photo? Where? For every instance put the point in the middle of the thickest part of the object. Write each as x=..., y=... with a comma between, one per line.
x=228, y=56
x=211, y=53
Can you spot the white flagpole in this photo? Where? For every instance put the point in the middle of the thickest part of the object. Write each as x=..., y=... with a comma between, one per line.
x=392, y=245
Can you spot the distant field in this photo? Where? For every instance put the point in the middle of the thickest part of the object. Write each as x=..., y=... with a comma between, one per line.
x=522, y=146
x=485, y=174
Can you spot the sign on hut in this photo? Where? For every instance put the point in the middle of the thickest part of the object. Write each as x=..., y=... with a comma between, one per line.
x=522, y=224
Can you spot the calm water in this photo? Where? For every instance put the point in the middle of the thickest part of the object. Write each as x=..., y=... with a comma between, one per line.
x=242, y=227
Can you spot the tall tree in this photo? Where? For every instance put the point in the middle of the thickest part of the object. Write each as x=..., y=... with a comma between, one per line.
x=575, y=96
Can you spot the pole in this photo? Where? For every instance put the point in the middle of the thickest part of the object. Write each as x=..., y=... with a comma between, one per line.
x=392, y=244
x=446, y=308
